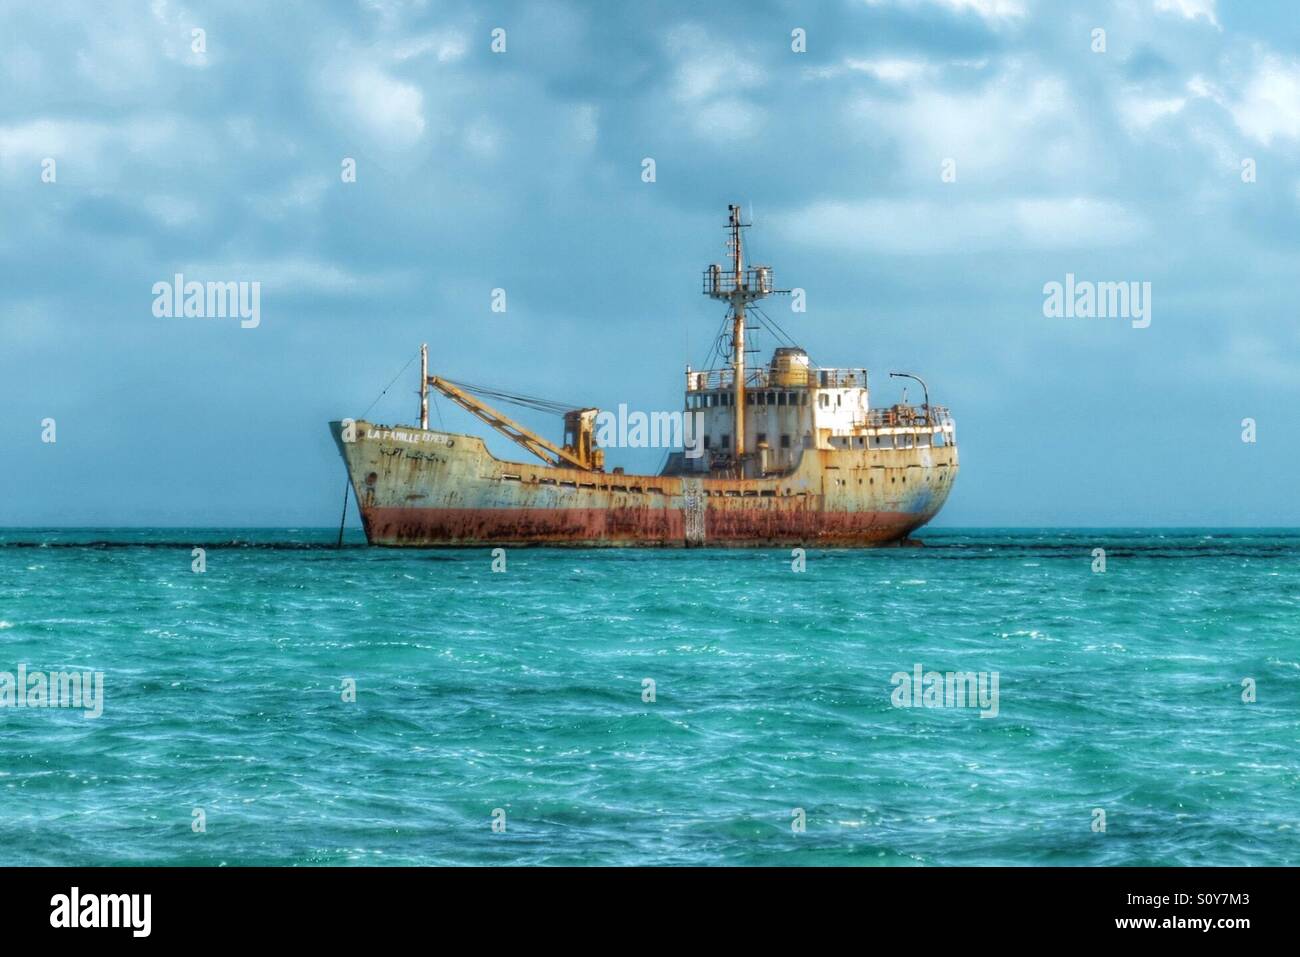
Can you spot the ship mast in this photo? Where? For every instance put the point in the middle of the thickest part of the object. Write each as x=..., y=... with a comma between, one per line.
x=738, y=328
x=424, y=386
x=738, y=286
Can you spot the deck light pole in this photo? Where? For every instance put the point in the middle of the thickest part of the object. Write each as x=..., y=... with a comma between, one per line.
x=924, y=389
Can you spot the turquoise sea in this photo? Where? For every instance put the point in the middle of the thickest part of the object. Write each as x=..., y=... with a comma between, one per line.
x=522, y=692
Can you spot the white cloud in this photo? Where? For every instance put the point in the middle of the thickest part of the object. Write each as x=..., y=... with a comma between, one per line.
x=390, y=111
x=993, y=130
x=704, y=69
x=1200, y=87
x=1076, y=221
x=731, y=116
x=290, y=199
x=28, y=142
x=585, y=124
x=1140, y=113
x=293, y=275
x=176, y=35
x=932, y=227
x=889, y=70
x=988, y=9
x=899, y=71
x=88, y=149
x=482, y=138
x=448, y=46
x=174, y=212
x=1190, y=9
x=1221, y=145
x=1269, y=107
x=708, y=80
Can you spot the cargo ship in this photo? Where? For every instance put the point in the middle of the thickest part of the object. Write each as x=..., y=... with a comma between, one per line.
x=786, y=453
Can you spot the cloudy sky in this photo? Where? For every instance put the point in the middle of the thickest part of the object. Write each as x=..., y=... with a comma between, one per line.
x=219, y=156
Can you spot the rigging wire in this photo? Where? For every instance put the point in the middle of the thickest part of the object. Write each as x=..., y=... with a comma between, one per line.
x=532, y=402
x=773, y=326
x=387, y=387
x=767, y=326
x=782, y=334
x=514, y=398
x=437, y=408
x=716, y=348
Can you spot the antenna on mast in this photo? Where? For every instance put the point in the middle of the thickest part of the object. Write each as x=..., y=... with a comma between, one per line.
x=738, y=285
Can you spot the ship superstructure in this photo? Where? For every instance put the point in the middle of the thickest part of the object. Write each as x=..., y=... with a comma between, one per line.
x=792, y=454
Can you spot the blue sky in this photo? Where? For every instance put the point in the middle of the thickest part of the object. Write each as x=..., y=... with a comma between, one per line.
x=522, y=170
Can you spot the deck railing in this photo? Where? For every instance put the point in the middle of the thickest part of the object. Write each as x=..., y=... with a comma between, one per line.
x=720, y=283
x=761, y=377
x=709, y=380
x=905, y=416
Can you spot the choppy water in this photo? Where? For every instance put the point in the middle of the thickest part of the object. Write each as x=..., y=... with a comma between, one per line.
x=522, y=691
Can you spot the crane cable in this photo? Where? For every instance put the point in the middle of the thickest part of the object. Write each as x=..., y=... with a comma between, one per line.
x=514, y=398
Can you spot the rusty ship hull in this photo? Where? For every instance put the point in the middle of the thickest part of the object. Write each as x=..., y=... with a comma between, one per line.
x=426, y=488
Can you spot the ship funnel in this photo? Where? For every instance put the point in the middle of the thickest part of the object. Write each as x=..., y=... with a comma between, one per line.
x=790, y=366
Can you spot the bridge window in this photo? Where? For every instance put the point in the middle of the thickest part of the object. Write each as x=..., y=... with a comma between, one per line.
x=785, y=441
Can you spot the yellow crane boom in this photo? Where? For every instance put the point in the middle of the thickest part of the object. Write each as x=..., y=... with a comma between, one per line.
x=579, y=451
